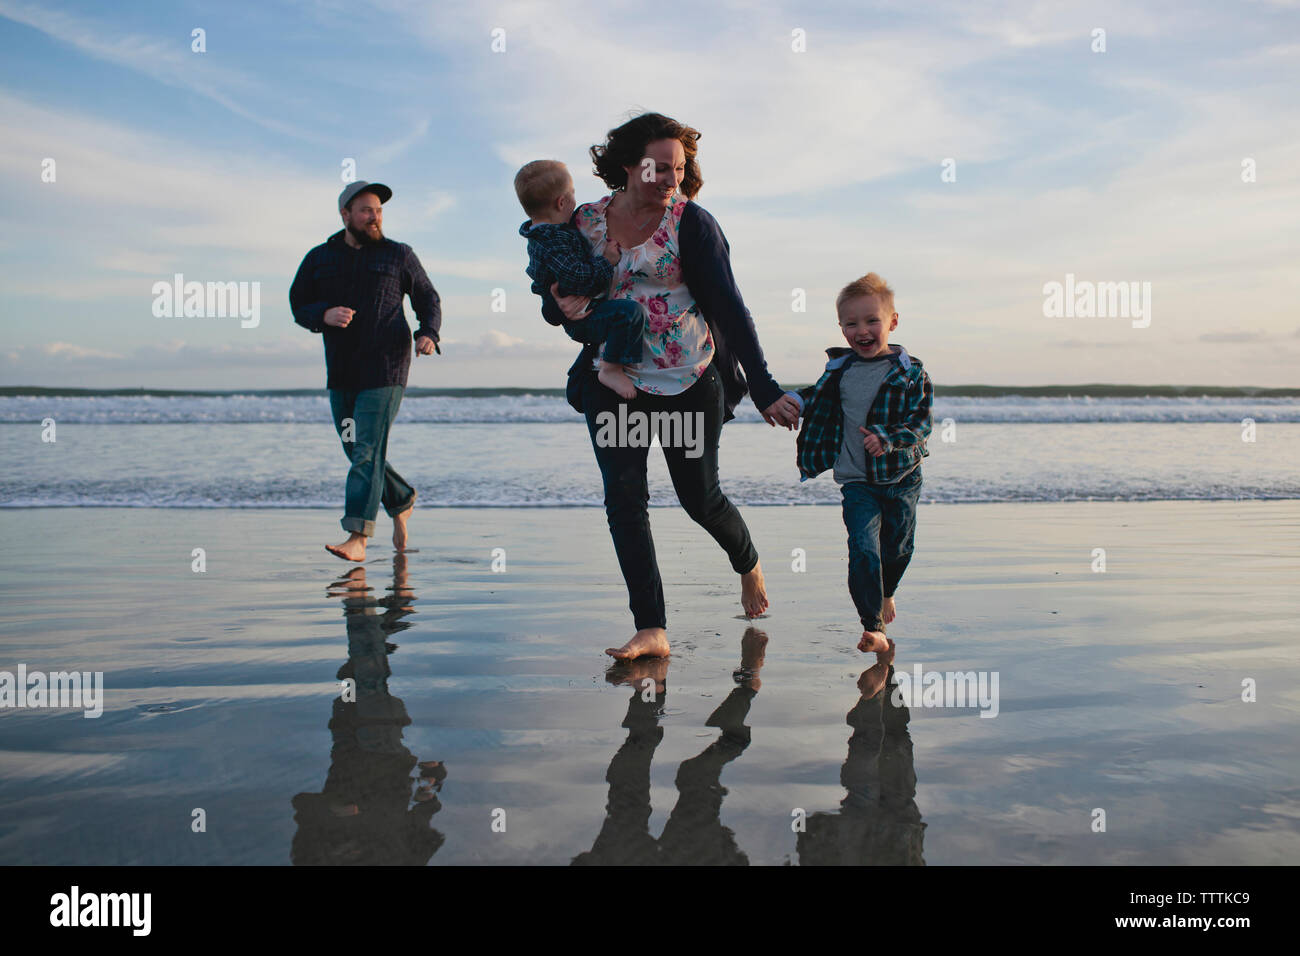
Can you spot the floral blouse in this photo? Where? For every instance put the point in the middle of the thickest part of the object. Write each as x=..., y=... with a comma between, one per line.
x=678, y=344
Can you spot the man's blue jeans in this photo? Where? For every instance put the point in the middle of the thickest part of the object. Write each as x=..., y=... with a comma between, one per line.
x=881, y=521
x=371, y=480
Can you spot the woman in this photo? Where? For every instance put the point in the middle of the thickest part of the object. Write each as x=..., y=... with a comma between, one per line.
x=699, y=337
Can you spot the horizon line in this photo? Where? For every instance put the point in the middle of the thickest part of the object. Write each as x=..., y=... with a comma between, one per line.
x=1118, y=389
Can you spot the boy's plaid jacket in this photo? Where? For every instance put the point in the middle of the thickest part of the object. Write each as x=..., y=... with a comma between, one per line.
x=900, y=418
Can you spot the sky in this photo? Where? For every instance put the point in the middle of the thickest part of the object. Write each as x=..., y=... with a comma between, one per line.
x=970, y=153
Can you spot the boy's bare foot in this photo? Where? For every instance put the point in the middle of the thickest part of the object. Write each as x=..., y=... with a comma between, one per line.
x=873, y=641
x=353, y=549
x=399, y=527
x=887, y=611
x=753, y=595
x=647, y=642
x=615, y=379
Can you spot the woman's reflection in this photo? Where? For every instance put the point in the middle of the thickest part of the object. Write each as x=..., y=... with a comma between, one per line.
x=694, y=833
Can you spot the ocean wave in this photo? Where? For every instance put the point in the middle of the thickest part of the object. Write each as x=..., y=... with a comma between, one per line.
x=530, y=408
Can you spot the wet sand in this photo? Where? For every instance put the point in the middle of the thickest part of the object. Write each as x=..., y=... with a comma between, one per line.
x=1118, y=690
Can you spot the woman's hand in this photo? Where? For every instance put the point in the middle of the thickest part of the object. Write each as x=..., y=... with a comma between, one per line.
x=573, y=306
x=784, y=411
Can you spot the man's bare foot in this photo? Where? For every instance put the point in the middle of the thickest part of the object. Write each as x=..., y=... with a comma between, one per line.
x=753, y=595
x=873, y=641
x=647, y=642
x=887, y=611
x=399, y=527
x=615, y=379
x=353, y=549
x=872, y=680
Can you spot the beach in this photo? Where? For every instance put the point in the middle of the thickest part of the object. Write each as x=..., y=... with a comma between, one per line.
x=1118, y=690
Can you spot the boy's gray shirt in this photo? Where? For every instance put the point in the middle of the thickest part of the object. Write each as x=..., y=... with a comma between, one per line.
x=859, y=384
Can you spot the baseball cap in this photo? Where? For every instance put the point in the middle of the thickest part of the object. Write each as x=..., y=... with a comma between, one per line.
x=361, y=186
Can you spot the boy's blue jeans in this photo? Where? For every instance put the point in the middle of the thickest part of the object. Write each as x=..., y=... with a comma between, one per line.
x=619, y=323
x=881, y=521
x=371, y=480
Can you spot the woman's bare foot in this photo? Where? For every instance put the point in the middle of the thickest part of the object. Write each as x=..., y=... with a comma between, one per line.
x=753, y=595
x=886, y=657
x=873, y=641
x=753, y=647
x=636, y=673
x=399, y=527
x=887, y=611
x=647, y=642
x=353, y=549
x=615, y=379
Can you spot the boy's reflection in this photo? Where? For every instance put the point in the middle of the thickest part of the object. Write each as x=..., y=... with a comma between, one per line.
x=694, y=833
x=879, y=822
x=363, y=815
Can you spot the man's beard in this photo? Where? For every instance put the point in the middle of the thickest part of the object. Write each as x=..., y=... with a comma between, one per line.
x=364, y=237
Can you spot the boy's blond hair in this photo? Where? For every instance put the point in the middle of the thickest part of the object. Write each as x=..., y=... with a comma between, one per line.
x=540, y=183
x=869, y=284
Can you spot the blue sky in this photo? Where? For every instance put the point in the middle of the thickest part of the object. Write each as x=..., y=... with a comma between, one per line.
x=820, y=165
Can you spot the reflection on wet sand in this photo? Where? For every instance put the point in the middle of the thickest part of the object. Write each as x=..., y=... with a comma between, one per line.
x=364, y=814
x=879, y=822
x=694, y=833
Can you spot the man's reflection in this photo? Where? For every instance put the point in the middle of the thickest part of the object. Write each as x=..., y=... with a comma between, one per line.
x=694, y=833
x=369, y=812
x=878, y=822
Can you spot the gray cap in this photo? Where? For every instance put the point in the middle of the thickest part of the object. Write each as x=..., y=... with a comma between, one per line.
x=361, y=186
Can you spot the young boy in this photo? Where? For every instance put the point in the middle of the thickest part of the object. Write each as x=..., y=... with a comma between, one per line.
x=558, y=252
x=868, y=417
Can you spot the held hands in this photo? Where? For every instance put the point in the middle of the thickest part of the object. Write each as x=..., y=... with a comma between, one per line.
x=573, y=306
x=613, y=252
x=339, y=316
x=872, y=443
x=784, y=411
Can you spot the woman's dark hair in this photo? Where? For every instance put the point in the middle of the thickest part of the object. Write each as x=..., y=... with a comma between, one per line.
x=625, y=146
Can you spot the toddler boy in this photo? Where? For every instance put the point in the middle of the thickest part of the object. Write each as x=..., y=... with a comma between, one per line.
x=558, y=252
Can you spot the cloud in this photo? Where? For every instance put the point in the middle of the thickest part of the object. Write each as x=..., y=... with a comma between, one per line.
x=819, y=165
x=121, y=196
x=160, y=60
x=67, y=351
x=398, y=147
x=47, y=359
x=501, y=345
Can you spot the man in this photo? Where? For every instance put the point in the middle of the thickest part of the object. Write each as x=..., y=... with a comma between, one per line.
x=350, y=289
